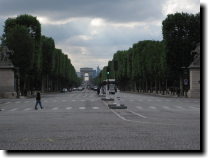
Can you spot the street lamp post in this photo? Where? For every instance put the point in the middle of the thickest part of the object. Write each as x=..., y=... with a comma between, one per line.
x=17, y=82
x=185, y=81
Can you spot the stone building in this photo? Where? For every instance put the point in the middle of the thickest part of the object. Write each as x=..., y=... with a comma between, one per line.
x=194, y=70
x=7, y=74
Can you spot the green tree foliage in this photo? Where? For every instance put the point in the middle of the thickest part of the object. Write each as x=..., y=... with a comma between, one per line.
x=23, y=50
x=156, y=65
x=41, y=64
x=136, y=68
x=181, y=33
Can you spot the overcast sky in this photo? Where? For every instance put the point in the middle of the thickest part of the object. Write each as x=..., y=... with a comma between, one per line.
x=91, y=31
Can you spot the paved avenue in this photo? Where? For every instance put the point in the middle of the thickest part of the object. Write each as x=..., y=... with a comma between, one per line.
x=82, y=121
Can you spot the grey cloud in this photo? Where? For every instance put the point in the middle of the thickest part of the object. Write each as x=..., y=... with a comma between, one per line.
x=117, y=10
x=100, y=47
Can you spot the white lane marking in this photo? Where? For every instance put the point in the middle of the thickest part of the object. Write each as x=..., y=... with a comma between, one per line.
x=17, y=102
x=152, y=107
x=119, y=115
x=68, y=108
x=82, y=108
x=95, y=107
x=137, y=114
x=14, y=109
x=27, y=109
x=139, y=107
x=55, y=108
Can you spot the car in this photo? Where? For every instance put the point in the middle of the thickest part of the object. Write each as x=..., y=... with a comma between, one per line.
x=95, y=88
x=64, y=90
x=74, y=89
x=80, y=89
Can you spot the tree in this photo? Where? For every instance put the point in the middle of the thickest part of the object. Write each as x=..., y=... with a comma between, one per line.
x=40, y=63
x=20, y=41
x=181, y=32
x=47, y=49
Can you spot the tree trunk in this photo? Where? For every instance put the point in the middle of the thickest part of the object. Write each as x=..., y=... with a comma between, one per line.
x=156, y=91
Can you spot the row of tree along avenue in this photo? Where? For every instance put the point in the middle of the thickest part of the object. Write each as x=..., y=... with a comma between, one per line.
x=157, y=66
x=40, y=64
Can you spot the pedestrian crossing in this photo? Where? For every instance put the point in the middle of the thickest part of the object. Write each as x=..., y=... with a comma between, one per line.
x=172, y=108
x=143, y=108
x=158, y=100
x=52, y=109
x=94, y=99
x=50, y=101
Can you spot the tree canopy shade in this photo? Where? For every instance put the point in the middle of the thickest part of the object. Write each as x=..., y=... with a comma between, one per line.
x=41, y=65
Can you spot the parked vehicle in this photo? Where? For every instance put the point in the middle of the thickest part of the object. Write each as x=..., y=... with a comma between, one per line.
x=80, y=89
x=64, y=90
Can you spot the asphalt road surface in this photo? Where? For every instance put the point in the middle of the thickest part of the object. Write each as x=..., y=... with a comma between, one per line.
x=80, y=120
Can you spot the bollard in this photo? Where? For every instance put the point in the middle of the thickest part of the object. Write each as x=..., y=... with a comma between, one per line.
x=116, y=104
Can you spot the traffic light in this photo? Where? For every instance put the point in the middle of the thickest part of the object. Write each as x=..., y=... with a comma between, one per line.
x=107, y=70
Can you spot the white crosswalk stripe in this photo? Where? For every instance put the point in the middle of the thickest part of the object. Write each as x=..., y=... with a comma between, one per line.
x=166, y=107
x=27, y=109
x=179, y=107
x=14, y=109
x=7, y=103
x=194, y=107
x=26, y=101
x=152, y=107
x=55, y=108
x=82, y=108
x=139, y=107
x=68, y=108
x=17, y=102
x=95, y=107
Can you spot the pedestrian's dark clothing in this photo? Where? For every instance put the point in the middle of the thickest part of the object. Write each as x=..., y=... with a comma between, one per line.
x=38, y=101
x=98, y=90
x=38, y=96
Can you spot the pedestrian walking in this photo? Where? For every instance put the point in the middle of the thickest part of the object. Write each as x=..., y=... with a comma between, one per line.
x=38, y=100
